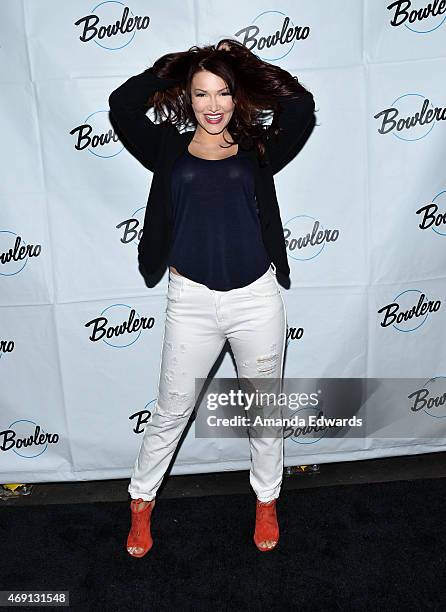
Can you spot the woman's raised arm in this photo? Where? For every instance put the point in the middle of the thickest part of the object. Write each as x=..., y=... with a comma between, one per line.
x=295, y=119
x=128, y=106
x=294, y=114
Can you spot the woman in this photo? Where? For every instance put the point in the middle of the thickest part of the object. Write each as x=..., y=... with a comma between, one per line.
x=212, y=210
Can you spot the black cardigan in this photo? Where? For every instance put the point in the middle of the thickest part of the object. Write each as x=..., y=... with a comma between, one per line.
x=157, y=146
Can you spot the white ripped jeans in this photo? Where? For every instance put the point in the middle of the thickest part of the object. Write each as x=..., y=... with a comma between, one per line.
x=198, y=322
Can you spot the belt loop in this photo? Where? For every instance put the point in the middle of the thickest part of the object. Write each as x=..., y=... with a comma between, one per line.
x=273, y=267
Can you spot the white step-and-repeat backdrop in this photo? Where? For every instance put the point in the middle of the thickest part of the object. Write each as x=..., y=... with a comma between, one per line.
x=363, y=209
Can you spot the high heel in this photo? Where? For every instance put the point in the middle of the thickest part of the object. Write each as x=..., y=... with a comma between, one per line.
x=267, y=527
x=139, y=536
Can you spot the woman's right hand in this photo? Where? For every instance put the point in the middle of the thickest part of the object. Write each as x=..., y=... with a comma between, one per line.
x=172, y=66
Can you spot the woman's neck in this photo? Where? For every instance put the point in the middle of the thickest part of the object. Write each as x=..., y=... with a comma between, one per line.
x=205, y=139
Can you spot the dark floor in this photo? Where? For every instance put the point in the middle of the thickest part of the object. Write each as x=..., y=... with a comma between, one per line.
x=412, y=467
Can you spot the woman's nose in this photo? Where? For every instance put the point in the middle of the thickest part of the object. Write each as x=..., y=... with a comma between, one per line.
x=214, y=106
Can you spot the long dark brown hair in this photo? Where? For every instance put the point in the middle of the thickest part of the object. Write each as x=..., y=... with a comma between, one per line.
x=253, y=83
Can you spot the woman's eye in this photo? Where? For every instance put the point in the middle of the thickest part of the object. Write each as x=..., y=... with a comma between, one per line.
x=226, y=93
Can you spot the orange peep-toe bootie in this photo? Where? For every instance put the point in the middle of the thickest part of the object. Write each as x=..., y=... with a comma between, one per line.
x=139, y=535
x=267, y=527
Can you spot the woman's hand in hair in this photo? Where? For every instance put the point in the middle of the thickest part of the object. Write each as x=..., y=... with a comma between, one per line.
x=223, y=46
x=172, y=66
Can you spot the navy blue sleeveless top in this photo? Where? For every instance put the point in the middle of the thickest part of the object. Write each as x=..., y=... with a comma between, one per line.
x=216, y=237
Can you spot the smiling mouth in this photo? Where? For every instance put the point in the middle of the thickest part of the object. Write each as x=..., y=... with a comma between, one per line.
x=211, y=118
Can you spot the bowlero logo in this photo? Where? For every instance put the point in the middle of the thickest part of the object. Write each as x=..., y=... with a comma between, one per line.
x=430, y=399
x=142, y=417
x=272, y=35
x=26, y=439
x=119, y=326
x=6, y=346
x=408, y=311
x=431, y=218
x=14, y=252
x=410, y=117
x=132, y=227
x=111, y=25
x=422, y=19
x=305, y=238
x=293, y=333
x=97, y=135
x=306, y=434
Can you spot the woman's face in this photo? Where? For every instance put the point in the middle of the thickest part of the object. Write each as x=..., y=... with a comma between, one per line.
x=211, y=101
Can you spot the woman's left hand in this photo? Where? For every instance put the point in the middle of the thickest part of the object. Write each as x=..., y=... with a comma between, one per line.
x=223, y=46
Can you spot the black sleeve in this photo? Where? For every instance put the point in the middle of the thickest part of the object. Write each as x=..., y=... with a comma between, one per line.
x=128, y=107
x=295, y=119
